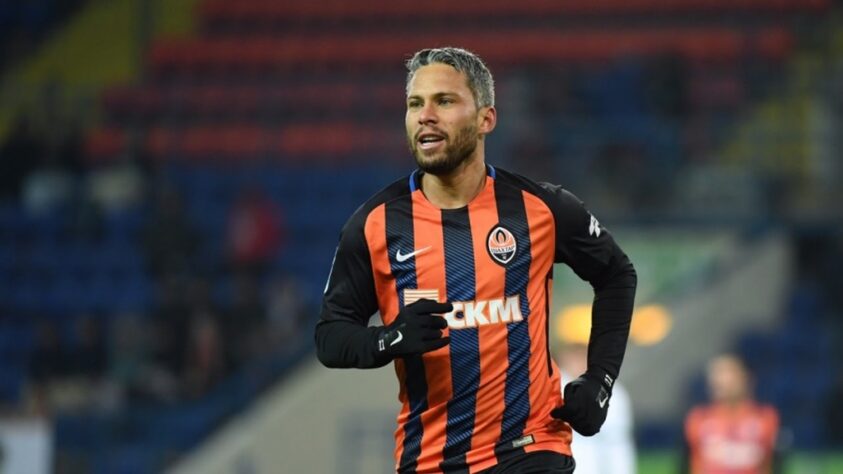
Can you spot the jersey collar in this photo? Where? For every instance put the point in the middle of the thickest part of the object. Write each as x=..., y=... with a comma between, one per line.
x=415, y=177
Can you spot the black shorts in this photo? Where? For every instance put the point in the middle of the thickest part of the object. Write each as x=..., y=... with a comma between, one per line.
x=538, y=462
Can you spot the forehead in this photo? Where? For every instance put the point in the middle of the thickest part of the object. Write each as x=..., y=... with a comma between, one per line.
x=725, y=365
x=437, y=78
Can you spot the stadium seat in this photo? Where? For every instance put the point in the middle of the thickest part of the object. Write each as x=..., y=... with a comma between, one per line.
x=501, y=49
x=267, y=11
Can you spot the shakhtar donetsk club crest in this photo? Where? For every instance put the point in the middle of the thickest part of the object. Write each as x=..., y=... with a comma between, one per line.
x=501, y=244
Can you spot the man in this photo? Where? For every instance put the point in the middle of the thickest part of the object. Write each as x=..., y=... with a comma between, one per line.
x=612, y=451
x=733, y=434
x=458, y=259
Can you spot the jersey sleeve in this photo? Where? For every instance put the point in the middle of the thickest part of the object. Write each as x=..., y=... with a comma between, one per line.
x=342, y=336
x=350, y=289
x=591, y=252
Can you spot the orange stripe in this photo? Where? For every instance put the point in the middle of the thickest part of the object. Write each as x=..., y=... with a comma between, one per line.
x=545, y=390
x=483, y=215
x=375, y=232
x=430, y=274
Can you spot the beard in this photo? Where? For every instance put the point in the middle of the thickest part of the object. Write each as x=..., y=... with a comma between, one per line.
x=456, y=152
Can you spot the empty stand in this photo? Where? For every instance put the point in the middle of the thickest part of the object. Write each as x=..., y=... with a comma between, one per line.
x=263, y=11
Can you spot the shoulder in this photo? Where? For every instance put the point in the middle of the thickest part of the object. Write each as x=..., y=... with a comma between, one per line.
x=394, y=190
x=696, y=415
x=560, y=201
x=768, y=413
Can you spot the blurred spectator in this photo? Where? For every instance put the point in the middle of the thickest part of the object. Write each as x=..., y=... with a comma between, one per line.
x=612, y=450
x=52, y=184
x=170, y=324
x=47, y=188
x=18, y=157
x=205, y=359
x=254, y=232
x=245, y=322
x=170, y=242
x=128, y=351
x=286, y=312
x=733, y=433
x=47, y=363
x=89, y=357
x=68, y=378
x=137, y=377
x=117, y=187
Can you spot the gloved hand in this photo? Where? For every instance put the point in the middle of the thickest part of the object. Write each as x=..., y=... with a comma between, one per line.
x=415, y=330
x=586, y=402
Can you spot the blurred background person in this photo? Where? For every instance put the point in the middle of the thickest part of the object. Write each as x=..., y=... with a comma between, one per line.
x=733, y=433
x=612, y=450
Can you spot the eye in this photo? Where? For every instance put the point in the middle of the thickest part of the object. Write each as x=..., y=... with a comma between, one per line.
x=446, y=101
x=413, y=104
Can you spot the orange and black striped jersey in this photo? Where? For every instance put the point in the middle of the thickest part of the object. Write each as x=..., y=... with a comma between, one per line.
x=487, y=395
x=732, y=439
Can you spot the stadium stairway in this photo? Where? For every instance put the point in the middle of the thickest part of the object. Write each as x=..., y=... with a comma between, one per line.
x=782, y=136
x=98, y=46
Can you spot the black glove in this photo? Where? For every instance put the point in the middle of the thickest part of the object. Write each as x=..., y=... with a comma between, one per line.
x=586, y=402
x=415, y=330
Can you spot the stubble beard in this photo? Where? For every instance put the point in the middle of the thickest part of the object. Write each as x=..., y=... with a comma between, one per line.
x=455, y=153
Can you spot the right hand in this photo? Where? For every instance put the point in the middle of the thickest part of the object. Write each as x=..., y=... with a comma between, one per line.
x=416, y=329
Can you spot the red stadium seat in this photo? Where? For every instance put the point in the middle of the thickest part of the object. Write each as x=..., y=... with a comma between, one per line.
x=500, y=49
x=272, y=11
x=104, y=144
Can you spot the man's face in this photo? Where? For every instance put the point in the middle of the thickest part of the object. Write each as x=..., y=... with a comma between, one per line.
x=443, y=123
x=727, y=380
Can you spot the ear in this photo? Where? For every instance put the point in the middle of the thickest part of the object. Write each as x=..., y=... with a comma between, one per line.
x=487, y=118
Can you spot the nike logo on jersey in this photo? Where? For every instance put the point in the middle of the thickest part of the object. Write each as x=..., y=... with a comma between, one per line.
x=404, y=257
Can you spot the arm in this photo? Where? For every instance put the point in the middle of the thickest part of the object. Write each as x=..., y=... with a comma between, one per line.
x=593, y=255
x=343, y=339
x=690, y=430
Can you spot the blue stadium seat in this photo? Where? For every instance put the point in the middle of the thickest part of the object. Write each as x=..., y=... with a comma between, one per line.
x=126, y=458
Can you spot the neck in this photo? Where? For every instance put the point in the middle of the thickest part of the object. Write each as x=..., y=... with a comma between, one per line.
x=457, y=188
x=734, y=402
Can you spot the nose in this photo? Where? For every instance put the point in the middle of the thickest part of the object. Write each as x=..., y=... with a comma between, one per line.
x=427, y=114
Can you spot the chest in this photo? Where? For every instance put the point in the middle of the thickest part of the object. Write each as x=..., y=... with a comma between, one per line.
x=466, y=252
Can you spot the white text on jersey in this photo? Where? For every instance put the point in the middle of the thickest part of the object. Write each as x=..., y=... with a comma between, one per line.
x=471, y=314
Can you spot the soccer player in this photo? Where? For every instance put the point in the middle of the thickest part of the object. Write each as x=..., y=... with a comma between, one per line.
x=458, y=259
x=733, y=434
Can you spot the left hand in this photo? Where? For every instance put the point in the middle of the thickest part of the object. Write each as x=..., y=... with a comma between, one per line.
x=586, y=403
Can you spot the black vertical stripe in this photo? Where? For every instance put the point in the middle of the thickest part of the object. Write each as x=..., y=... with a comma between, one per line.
x=512, y=215
x=461, y=282
x=400, y=236
x=547, y=282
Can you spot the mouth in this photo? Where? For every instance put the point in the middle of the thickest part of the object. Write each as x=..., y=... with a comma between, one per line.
x=430, y=140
